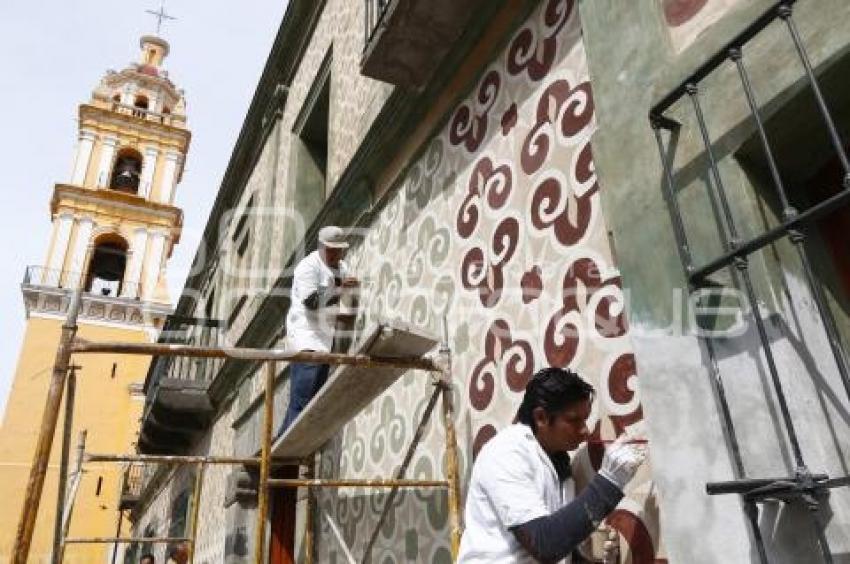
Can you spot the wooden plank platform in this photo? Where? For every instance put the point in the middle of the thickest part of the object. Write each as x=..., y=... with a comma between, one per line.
x=350, y=389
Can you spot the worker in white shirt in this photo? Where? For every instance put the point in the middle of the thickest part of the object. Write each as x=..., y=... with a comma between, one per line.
x=313, y=309
x=521, y=506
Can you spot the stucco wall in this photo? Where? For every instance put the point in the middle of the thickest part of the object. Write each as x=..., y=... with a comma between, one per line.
x=681, y=407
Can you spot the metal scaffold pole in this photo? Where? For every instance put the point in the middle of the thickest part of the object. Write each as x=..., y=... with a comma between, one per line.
x=265, y=453
x=61, y=493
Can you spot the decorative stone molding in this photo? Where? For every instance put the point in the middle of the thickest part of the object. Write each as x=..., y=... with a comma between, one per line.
x=49, y=301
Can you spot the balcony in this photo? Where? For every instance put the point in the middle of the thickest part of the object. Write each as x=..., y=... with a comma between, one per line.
x=148, y=115
x=47, y=293
x=177, y=408
x=62, y=279
x=135, y=477
x=406, y=40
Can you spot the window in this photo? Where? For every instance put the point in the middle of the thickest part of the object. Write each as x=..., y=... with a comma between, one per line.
x=812, y=173
x=311, y=137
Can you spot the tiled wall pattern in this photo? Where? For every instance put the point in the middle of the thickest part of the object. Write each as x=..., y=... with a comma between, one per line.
x=497, y=227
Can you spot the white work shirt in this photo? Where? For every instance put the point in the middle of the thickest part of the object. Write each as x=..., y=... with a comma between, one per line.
x=513, y=482
x=312, y=329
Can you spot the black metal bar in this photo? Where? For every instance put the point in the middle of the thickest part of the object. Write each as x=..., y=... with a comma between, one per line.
x=736, y=55
x=716, y=381
x=785, y=12
x=814, y=506
x=746, y=485
x=742, y=265
x=756, y=243
x=796, y=237
x=672, y=203
x=669, y=188
x=719, y=58
x=751, y=510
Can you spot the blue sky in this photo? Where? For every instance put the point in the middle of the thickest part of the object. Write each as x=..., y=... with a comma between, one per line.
x=52, y=54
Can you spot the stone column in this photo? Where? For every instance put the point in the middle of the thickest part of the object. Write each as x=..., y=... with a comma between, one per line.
x=128, y=94
x=83, y=158
x=133, y=274
x=169, y=177
x=78, y=256
x=61, y=236
x=153, y=265
x=107, y=154
x=148, y=171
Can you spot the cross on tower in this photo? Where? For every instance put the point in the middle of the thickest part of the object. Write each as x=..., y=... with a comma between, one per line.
x=160, y=15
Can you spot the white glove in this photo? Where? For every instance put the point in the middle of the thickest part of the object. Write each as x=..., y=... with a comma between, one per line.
x=621, y=461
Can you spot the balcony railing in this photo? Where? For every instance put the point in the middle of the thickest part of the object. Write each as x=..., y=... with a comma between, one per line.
x=66, y=279
x=177, y=408
x=136, y=474
x=375, y=12
x=142, y=113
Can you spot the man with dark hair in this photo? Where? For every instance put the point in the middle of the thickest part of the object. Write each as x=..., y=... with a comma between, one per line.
x=521, y=506
x=147, y=558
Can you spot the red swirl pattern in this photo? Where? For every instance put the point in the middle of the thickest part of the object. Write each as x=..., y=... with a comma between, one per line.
x=469, y=127
x=623, y=370
x=575, y=108
x=634, y=531
x=482, y=270
x=485, y=275
x=582, y=280
x=501, y=352
x=535, y=56
x=491, y=183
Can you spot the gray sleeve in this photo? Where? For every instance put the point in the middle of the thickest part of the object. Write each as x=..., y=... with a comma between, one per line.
x=557, y=535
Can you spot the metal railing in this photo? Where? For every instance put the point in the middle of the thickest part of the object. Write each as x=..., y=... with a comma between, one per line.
x=804, y=486
x=35, y=275
x=135, y=475
x=41, y=276
x=184, y=331
x=375, y=12
x=143, y=113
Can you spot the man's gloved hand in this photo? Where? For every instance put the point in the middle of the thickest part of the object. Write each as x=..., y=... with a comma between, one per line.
x=621, y=461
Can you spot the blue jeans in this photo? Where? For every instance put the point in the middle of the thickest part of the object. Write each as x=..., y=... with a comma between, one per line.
x=305, y=381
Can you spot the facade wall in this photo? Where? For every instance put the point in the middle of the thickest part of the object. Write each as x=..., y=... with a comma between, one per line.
x=498, y=224
x=498, y=227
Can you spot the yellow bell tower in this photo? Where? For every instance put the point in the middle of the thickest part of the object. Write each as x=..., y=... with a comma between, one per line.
x=114, y=228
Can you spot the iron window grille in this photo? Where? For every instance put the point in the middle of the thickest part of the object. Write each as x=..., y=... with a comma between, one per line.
x=803, y=486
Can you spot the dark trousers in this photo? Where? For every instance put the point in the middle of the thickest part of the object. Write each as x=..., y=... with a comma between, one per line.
x=305, y=381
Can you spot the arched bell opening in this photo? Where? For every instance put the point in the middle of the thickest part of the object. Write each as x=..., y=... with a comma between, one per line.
x=105, y=276
x=127, y=171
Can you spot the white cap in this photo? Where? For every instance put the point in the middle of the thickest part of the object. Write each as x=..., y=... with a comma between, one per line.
x=332, y=237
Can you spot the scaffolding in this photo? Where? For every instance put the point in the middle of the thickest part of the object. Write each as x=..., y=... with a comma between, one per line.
x=439, y=366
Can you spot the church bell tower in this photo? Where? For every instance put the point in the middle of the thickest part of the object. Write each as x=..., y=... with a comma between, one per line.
x=115, y=226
